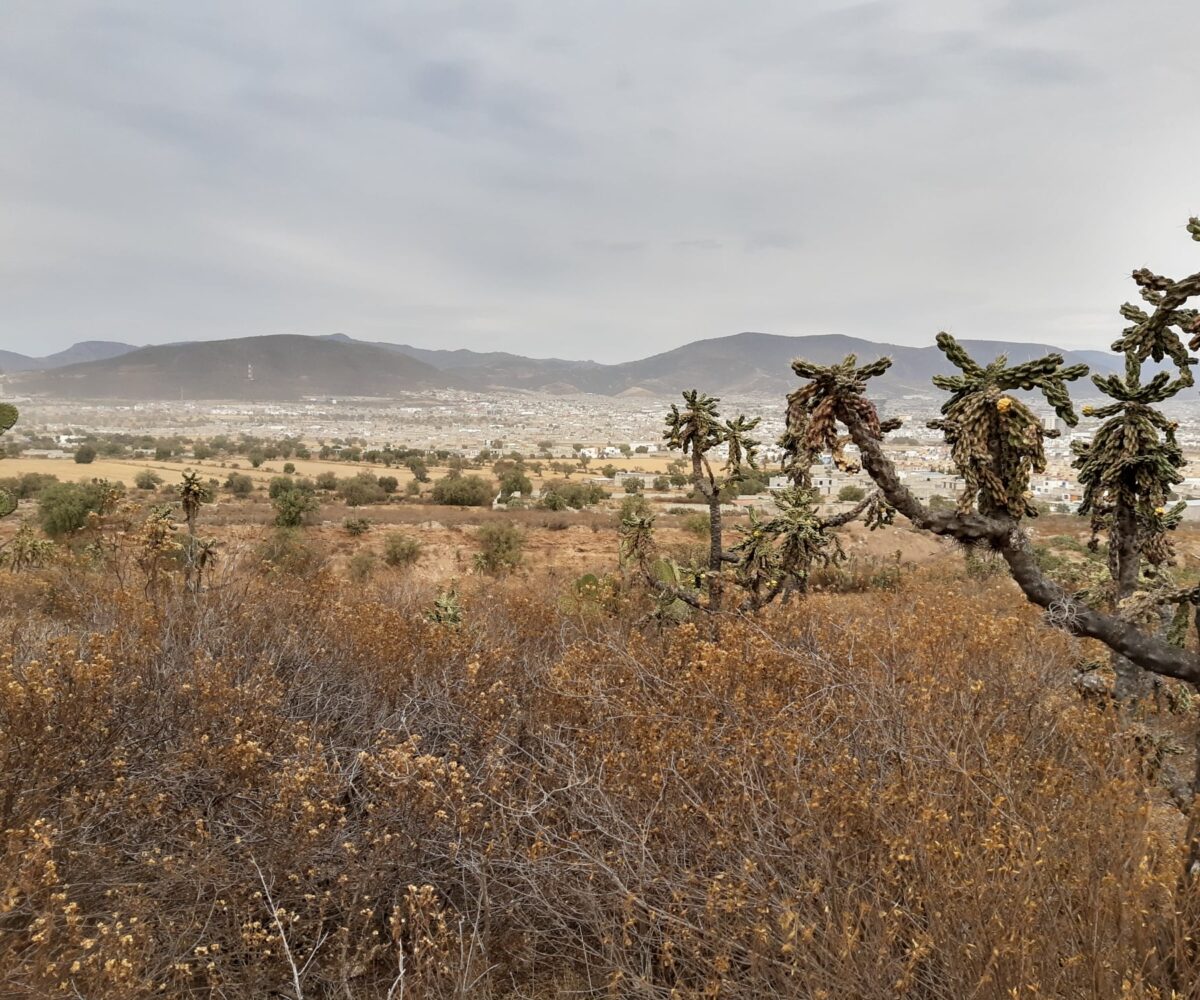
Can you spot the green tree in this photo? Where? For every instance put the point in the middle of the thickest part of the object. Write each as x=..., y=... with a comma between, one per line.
x=515, y=482
x=85, y=454
x=463, y=491
x=360, y=490
x=64, y=507
x=500, y=548
x=851, y=493
x=147, y=479
x=294, y=508
x=239, y=484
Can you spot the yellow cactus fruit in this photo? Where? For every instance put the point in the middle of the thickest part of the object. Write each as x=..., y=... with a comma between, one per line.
x=1004, y=404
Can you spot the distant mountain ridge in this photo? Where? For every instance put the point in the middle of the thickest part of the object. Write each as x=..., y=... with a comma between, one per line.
x=85, y=350
x=281, y=366
x=292, y=366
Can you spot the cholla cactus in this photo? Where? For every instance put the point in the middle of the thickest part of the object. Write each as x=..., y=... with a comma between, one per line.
x=1127, y=471
x=27, y=550
x=810, y=426
x=192, y=495
x=1131, y=464
x=637, y=539
x=696, y=430
x=996, y=441
x=783, y=549
x=1153, y=334
x=198, y=553
x=156, y=543
x=8, y=419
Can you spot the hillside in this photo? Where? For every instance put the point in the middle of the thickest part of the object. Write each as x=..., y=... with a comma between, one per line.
x=283, y=367
x=293, y=366
x=86, y=350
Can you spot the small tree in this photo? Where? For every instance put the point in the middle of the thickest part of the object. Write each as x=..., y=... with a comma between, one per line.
x=500, y=548
x=463, y=491
x=147, y=479
x=64, y=508
x=851, y=493
x=514, y=482
x=239, y=484
x=294, y=508
x=85, y=454
x=400, y=550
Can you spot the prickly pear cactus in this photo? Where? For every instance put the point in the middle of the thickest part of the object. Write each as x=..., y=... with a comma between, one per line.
x=8, y=419
x=996, y=441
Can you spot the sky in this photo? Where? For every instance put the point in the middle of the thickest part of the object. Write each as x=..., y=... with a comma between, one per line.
x=599, y=179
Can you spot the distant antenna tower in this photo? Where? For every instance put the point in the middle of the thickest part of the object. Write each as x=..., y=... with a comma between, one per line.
x=249, y=373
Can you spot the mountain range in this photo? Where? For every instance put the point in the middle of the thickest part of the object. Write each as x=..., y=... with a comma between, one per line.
x=87, y=350
x=289, y=366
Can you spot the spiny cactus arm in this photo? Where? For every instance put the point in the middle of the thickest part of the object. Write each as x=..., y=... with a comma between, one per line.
x=1151, y=335
x=838, y=520
x=1004, y=536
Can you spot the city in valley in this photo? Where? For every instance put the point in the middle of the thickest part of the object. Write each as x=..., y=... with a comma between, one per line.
x=605, y=439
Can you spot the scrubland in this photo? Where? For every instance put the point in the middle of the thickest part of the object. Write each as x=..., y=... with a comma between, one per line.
x=289, y=783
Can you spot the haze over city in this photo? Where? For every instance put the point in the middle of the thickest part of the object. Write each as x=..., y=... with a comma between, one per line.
x=591, y=180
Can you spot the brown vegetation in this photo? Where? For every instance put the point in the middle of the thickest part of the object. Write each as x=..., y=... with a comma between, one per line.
x=288, y=785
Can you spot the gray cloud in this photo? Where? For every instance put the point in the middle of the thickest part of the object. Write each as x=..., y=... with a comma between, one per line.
x=593, y=179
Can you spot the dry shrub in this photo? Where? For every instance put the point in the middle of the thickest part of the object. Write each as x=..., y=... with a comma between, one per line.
x=284, y=787
x=400, y=550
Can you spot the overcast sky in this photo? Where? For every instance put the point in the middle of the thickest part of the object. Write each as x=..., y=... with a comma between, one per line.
x=590, y=179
